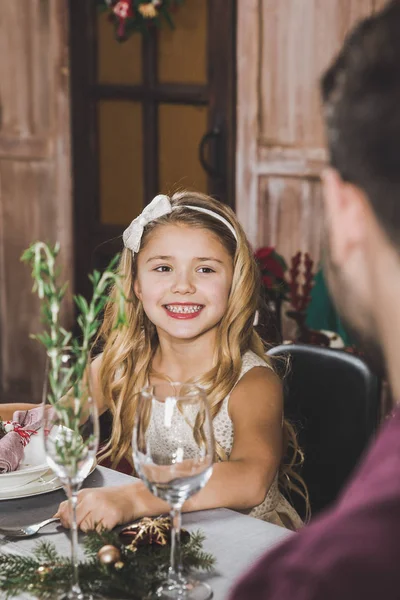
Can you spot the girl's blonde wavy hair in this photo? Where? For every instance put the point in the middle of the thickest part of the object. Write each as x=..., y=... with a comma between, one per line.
x=128, y=353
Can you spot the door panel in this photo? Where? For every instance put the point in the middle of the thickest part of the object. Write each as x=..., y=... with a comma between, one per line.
x=182, y=52
x=180, y=131
x=120, y=143
x=117, y=63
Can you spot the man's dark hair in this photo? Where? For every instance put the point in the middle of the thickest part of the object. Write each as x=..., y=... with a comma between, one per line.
x=361, y=97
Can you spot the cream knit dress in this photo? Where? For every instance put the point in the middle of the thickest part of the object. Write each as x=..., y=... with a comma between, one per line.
x=275, y=508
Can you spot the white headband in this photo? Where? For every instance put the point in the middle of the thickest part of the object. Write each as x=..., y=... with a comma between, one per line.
x=157, y=208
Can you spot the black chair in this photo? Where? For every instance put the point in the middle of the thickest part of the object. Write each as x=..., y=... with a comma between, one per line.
x=332, y=398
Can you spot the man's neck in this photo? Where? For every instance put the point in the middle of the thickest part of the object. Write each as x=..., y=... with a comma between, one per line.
x=388, y=322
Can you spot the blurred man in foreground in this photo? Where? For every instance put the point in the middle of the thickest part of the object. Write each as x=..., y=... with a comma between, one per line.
x=352, y=551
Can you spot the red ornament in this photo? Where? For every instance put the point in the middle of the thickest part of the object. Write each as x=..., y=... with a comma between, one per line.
x=123, y=10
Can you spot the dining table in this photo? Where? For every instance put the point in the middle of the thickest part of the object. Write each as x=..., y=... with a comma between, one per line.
x=236, y=540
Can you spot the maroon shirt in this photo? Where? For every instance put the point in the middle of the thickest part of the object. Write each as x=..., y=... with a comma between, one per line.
x=351, y=552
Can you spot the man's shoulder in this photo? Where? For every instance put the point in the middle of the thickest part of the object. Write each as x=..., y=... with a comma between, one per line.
x=350, y=551
x=378, y=474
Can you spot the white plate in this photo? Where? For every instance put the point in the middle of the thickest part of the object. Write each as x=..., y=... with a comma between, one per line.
x=32, y=466
x=47, y=483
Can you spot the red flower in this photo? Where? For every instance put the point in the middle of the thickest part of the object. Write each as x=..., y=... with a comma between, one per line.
x=268, y=260
x=262, y=253
x=274, y=267
x=267, y=281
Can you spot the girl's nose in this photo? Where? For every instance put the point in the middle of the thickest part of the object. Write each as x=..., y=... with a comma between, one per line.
x=183, y=284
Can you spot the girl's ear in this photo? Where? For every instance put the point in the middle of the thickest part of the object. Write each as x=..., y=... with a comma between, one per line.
x=137, y=290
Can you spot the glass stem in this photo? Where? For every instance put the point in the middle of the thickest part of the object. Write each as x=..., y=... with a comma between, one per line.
x=176, y=564
x=73, y=501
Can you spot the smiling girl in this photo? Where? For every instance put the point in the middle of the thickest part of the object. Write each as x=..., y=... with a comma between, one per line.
x=192, y=282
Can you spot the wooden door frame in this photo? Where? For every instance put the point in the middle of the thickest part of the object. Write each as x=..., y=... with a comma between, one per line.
x=221, y=77
x=247, y=117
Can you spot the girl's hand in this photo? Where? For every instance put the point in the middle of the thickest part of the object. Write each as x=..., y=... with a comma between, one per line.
x=101, y=508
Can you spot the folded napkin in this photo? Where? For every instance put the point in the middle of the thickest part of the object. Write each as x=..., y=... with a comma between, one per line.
x=26, y=423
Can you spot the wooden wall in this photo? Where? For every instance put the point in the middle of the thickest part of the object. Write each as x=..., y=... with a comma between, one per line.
x=282, y=48
x=35, y=179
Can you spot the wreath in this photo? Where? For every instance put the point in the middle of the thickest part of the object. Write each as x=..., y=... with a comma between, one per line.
x=132, y=16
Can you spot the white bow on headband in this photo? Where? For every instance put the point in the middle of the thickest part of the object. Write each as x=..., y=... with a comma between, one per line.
x=158, y=207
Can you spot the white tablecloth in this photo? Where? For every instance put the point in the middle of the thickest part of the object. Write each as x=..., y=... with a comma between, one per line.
x=236, y=540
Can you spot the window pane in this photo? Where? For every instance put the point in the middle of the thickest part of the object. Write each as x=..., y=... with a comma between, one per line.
x=180, y=131
x=182, y=52
x=118, y=62
x=120, y=161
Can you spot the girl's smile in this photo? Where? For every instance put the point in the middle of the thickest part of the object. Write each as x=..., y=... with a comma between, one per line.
x=183, y=310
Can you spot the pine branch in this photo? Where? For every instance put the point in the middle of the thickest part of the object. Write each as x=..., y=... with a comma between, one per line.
x=45, y=573
x=42, y=259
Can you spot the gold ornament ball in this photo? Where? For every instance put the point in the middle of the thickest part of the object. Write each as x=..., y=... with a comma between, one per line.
x=108, y=555
x=42, y=571
x=119, y=565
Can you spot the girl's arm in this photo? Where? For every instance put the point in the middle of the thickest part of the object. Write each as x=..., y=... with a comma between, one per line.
x=256, y=410
x=256, y=407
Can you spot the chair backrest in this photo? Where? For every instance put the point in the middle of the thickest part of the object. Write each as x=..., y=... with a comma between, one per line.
x=333, y=399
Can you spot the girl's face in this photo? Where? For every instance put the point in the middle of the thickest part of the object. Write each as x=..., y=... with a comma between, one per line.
x=184, y=277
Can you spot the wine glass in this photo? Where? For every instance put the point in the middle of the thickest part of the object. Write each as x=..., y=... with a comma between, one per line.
x=173, y=451
x=71, y=436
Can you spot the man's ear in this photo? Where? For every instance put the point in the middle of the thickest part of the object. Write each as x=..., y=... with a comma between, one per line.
x=345, y=215
x=137, y=289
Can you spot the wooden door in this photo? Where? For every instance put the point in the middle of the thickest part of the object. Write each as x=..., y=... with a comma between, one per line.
x=152, y=114
x=35, y=178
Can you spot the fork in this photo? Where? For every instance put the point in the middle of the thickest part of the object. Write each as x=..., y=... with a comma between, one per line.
x=28, y=531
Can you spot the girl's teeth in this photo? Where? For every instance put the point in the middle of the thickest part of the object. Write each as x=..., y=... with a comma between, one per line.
x=183, y=309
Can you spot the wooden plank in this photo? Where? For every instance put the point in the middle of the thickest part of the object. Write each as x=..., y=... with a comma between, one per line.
x=294, y=162
x=24, y=184
x=62, y=201
x=19, y=148
x=24, y=65
x=35, y=175
x=174, y=93
x=291, y=215
x=247, y=128
x=298, y=42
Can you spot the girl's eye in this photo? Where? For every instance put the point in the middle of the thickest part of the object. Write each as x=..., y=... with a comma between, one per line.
x=206, y=270
x=163, y=269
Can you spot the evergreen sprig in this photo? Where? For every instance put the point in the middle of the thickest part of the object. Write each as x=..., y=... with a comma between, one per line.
x=3, y=431
x=42, y=259
x=68, y=357
x=45, y=573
